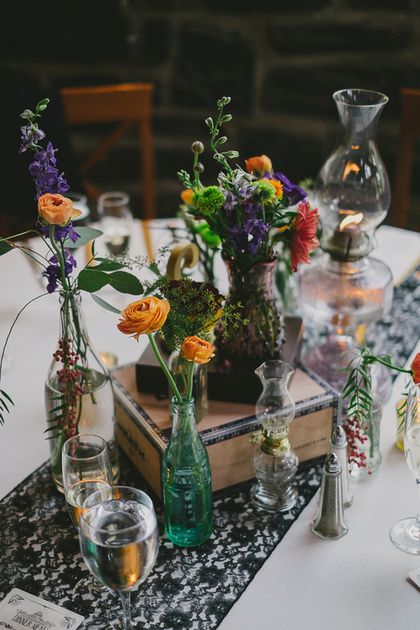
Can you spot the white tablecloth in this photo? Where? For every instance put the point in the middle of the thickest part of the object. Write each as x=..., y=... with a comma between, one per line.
x=358, y=581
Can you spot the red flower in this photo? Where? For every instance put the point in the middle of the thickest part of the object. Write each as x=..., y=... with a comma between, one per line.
x=415, y=369
x=303, y=239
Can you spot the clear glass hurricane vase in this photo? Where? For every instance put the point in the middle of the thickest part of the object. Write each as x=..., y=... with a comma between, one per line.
x=186, y=480
x=354, y=179
x=405, y=534
x=275, y=462
x=79, y=396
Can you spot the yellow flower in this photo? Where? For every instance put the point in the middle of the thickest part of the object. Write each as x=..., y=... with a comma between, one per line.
x=144, y=316
x=278, y=187
x=197, y=350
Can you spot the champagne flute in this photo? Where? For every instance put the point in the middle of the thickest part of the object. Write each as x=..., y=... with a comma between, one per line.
x=119, y=540
x=405, y=534
x=86, y=469
x=115, y=219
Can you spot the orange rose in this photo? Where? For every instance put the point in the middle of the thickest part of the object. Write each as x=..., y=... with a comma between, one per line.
x=259, y=165
x=144, y=317
x=56, y=209
x=197, y=350
x=187, y=196
x=415, y=369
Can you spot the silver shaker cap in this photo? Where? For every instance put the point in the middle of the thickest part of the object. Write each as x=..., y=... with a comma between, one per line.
x=332, y=464
x=338, y=436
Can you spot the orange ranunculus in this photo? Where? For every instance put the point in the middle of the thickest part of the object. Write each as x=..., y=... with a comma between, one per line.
x=187, y=196
x=415, y=368
x=197, y=350
x=144, y=316
x=259, y=165
x=56, y=209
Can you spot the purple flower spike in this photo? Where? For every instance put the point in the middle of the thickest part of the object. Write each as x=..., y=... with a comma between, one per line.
x=294, y=192
x=45, y=173
x=29, y=137
x=247, y=238
x=52, y=272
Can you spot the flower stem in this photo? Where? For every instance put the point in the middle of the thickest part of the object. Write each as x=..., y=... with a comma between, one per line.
x=190, y=378
x=165, y=369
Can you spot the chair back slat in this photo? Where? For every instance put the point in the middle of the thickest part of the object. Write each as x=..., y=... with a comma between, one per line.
x=124, y=104
x=408, y=135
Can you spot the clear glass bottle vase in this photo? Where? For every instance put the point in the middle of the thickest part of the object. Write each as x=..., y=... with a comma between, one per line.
x=79, y=396
x=186, y=480
x=275, y=462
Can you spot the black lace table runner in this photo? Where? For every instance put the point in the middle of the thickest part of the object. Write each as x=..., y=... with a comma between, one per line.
x=188, y=589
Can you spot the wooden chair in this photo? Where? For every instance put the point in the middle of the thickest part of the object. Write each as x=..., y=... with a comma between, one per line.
x=409, y=133
x=126, y=104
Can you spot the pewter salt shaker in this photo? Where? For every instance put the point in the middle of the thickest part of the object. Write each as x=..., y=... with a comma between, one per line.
x=338, y=445
x=329, y=522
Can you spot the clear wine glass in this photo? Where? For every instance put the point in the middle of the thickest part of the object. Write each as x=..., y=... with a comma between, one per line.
x=115, y=221
x=86, y=468
x=405, y=534
x=119, y=540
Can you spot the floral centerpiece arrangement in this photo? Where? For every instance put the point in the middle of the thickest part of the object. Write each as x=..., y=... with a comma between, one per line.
x=362, y=409
x=78, y=394
x=186, y=473
x=251, y=213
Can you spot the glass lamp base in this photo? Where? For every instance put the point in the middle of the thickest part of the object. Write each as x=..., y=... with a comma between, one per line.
x=331, y=359
x=405, y=535
x=273, y=502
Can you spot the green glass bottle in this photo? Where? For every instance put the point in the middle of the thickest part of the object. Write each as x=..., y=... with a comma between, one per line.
x=186, y=481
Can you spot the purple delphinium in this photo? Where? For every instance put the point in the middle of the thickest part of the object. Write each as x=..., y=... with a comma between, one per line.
x=45, y=173
x=246, y=238
x=30, y=135
x=294, y=192
x=52, y=272
x=60, y=231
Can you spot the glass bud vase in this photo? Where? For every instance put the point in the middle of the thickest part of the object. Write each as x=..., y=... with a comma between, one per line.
x=275, y=462
x=79, y=396
x=366, y=442
x=179, y=368
x=186, y=481
x=262, y=336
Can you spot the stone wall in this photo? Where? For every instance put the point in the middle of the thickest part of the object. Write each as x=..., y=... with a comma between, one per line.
x=279, y=61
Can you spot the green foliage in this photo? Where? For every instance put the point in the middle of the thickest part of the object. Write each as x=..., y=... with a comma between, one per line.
x=195, y=309
x=86, y=234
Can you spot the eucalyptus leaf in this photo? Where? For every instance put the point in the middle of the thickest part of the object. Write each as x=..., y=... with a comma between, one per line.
x=107, y=265
x=125, y=282
x=90, y=280
x=105, y=305
x=86, y=234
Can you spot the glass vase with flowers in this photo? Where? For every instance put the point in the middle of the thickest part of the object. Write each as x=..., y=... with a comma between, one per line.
x=363, y=409
x=254, y=213
x=186, y=473
x=78, y=390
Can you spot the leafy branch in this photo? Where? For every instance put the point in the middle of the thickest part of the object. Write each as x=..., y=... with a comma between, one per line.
x=216, y=141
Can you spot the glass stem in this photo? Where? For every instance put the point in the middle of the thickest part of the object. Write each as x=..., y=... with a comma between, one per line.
x=417, y=524
x=125, y=597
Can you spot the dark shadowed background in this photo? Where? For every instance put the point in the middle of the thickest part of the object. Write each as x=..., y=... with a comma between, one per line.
x=279, y=61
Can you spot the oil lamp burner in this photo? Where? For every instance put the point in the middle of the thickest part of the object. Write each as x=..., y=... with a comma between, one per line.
x=348, y=289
